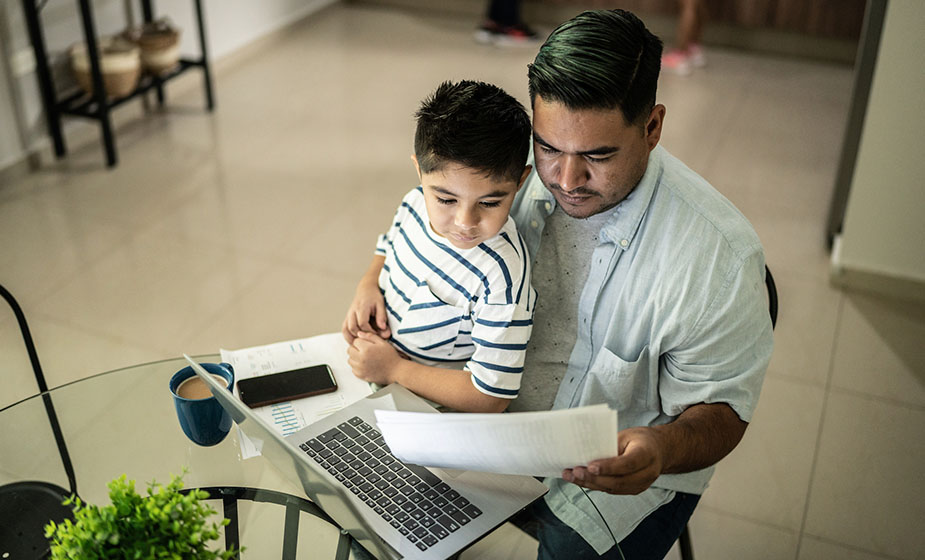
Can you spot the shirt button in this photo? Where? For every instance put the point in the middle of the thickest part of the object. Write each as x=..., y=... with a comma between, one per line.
x=624, y=243
x=533, y=224
x=548, y=207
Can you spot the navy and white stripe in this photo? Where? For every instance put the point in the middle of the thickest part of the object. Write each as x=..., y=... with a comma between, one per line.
x=450, y=305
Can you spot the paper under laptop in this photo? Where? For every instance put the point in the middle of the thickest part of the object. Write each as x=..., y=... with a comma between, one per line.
x=414, y=530
x=289, y=417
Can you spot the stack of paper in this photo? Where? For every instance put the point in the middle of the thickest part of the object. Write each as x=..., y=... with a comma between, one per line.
x=528, y=443
x=291, y=416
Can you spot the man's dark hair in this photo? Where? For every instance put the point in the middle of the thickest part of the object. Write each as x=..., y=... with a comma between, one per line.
x=604, y=59
x=473, y=124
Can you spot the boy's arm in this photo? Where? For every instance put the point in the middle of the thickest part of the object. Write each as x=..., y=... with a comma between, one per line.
x=367, y=311
x=376, y=360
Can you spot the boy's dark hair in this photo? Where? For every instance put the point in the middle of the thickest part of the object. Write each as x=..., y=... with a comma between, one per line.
x=604, y=59
x=474, y=124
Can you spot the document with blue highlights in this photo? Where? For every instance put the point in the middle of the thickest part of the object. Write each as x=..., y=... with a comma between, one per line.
x=526, y=443
x=289, y=417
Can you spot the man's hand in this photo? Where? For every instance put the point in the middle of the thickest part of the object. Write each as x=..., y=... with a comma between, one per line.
x=373, y=358
x=701, y=436
x=637, y=466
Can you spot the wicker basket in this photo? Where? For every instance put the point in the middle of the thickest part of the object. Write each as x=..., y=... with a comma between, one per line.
x=160, y=45
x=120, y=63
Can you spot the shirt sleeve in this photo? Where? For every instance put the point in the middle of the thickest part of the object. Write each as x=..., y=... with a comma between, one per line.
x=385, y=240
x=726, y=354
x=500, y=333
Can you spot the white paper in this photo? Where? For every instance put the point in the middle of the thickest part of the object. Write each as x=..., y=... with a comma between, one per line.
x=288, y=417
x=527, y=443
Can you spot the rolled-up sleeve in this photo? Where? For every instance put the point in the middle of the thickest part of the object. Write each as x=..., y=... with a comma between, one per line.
x=725, y=355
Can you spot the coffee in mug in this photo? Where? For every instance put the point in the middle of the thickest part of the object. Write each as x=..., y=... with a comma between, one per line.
x=202, y=418
x=195, y=388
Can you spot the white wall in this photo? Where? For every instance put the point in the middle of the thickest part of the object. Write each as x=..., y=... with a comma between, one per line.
x=883, y=238
x=230, y=25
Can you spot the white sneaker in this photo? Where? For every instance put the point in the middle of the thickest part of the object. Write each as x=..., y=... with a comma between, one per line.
x=695, y=55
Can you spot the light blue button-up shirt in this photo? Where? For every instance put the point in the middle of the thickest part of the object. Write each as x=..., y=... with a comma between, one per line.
x=673, y=313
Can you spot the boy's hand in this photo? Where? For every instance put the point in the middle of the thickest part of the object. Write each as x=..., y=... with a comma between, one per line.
x=373, y=358
x=366, y=314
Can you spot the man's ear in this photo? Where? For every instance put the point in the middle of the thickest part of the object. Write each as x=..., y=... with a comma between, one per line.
x=417, y=167
x=523, y=178
x=654, y=126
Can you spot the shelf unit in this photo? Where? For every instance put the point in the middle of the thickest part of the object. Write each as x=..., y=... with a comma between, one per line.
x=98, y=106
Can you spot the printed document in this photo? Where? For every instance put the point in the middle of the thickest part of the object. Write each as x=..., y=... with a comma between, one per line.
x=528, y=443
x=289, y=417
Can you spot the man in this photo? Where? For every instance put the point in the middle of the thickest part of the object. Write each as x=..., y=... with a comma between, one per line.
x=651, y=295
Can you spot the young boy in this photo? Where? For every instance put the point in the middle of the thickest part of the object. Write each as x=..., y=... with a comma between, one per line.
x=449, y=284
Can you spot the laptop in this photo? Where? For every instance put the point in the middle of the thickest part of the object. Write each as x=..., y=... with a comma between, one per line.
x=394, y=510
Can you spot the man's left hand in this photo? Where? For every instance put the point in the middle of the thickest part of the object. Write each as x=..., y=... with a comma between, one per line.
x=637, y=466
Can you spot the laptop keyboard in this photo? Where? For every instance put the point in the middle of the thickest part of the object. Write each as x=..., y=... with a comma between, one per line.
x=413, y=500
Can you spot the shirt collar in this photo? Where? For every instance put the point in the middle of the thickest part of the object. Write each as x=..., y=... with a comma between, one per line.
x=627, y=215
x=536, y=190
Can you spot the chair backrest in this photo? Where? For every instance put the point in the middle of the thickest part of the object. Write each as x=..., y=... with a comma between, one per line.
x=772, y=295
x=43, y=387
x=27, y=338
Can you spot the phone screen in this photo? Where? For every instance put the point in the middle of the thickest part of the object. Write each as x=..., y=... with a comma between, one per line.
x=286, y=385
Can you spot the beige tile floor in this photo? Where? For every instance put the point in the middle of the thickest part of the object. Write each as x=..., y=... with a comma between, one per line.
x=252, y=224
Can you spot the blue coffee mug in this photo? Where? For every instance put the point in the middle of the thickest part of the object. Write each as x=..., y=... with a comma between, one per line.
x=203, y=420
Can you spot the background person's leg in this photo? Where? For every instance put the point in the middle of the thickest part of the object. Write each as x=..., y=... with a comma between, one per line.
x=503, y=27
x=504, y=12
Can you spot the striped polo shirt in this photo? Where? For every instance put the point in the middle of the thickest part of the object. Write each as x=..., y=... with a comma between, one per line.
x=450, y=307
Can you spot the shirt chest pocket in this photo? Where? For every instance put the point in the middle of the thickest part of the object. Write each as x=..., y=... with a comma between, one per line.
x=621, y=383
x=430, y=325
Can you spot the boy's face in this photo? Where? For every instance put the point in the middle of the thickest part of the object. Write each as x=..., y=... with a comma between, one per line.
x=466, y=207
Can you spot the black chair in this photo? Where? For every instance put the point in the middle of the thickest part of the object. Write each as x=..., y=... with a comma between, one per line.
x=27, y=506
x=684, y=541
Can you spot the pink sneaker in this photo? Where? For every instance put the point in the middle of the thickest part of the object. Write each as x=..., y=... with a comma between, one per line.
x=677, y=61
x=506, y=35
x=695, y=55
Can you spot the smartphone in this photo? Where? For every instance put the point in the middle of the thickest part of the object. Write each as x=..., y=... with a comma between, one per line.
x=286, y=386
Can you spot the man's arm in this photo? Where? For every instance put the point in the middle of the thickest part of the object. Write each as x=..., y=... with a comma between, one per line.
x=699, y=437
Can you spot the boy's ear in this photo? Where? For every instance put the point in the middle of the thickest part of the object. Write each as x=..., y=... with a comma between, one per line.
x=417, y=167
x=523, y=178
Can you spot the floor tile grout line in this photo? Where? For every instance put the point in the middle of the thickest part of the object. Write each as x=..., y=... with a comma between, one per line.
x=825, y=403
x=854, y=548
x=740, y=98
x=879, y=399
x=752, y=520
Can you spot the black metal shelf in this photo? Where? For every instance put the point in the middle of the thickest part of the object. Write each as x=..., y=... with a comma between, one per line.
x=81, y=104
x=97, y=105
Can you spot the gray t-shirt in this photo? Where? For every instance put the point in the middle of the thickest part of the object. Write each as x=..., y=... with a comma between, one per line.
x=560, y=271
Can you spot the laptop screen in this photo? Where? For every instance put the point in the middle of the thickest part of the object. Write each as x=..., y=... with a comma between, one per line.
x=297, y=467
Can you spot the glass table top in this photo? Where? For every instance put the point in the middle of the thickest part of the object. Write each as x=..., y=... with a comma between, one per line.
x=124, y=422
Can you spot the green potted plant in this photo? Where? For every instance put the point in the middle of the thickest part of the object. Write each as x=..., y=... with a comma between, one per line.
x=166, y=523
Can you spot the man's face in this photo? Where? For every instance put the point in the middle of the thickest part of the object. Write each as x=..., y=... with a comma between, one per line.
x=590, y=159
x=466, y=207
